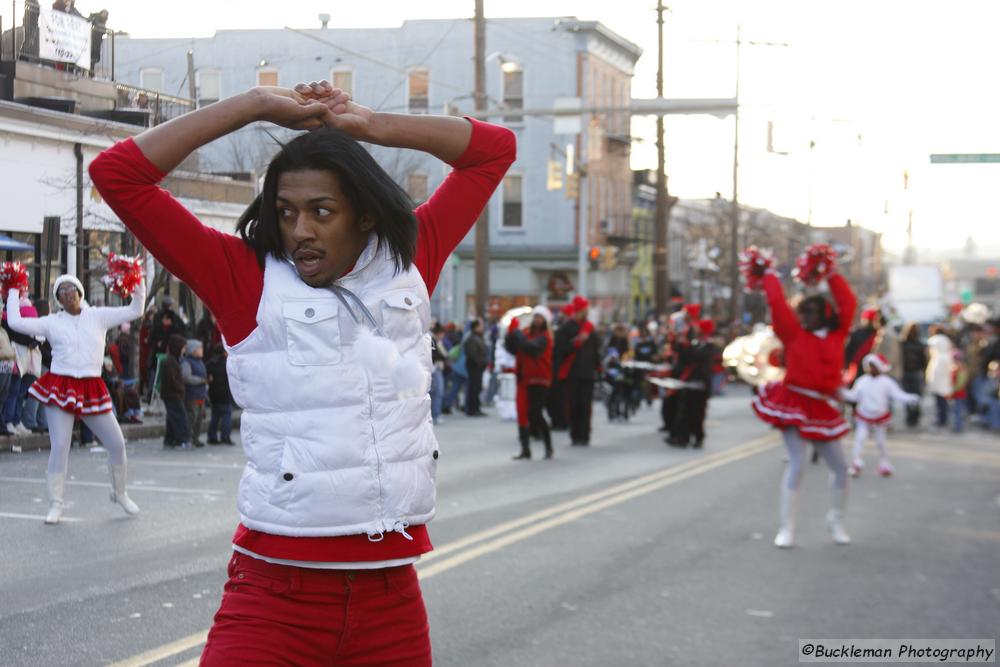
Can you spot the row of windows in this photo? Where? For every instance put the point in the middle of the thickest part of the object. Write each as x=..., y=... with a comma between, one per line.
x=208, y=83
x=512, y=200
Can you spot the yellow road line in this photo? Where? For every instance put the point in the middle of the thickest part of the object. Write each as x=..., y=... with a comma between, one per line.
x=573, y=515
x=165, y=651
x=513, y=524
x=945, y=456
x=536, y=523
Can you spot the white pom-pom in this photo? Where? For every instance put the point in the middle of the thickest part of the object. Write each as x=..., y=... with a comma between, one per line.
x=375, y=353
x=409, y=377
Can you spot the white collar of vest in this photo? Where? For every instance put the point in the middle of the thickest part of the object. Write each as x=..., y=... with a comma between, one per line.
x=364, y=259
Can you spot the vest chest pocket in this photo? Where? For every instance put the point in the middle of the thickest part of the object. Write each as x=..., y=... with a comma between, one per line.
x=313, y=332
x=400, y=318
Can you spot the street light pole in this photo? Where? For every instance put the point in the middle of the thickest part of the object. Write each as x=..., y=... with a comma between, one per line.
x=734, y=231
x=482, y=244
x=661, y=221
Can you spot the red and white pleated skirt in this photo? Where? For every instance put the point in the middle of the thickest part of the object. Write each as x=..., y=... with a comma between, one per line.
x=80, y=396
x=815, y=419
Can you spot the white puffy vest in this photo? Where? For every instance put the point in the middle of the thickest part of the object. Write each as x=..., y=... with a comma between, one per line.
x=331, y=449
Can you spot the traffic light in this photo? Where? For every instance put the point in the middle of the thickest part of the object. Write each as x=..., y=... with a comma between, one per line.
x=555, y=180
x=595, y=256
x=572, y=185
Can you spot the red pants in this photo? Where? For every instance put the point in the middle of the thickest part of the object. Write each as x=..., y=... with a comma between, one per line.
x=283, y=615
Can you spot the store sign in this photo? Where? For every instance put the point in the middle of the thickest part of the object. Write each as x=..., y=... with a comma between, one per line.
x=64, y=38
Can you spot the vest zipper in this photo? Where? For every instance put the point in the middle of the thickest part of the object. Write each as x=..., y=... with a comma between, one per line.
x=378, y=455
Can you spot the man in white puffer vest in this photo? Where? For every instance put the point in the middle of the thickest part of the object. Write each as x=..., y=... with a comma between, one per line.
x=323, y=302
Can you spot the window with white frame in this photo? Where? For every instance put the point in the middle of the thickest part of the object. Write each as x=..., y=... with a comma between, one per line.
x=343, y=78
x=418, y=88
x=151, y=78
x=416, y=186
x=267, y=76
x=209, y=83
x=513, y=202
x=513, y=93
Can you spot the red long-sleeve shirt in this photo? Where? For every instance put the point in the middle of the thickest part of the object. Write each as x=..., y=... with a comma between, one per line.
x=812, y=361
x=223, y=271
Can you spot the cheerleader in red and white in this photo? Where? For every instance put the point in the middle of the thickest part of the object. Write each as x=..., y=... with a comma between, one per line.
x=73, y=388
x=805, y=405
x=873, y=395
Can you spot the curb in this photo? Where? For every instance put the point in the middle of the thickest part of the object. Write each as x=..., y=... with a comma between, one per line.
x=36, y=441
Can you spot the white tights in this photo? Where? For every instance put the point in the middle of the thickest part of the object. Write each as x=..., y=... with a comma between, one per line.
x=104, y=426
x=861, y=431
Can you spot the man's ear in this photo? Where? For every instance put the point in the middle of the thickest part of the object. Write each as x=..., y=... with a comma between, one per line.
x=367, y=223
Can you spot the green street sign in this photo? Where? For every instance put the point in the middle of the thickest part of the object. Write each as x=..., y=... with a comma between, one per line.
x=964, y=158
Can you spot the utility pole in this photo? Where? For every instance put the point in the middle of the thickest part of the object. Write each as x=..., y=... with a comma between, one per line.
x=192, y=88
x=661, y=221
x=482, y=247
x=735, y=292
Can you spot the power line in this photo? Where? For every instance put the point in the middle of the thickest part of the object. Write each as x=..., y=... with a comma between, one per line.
x=422, y=62
x=357, y=54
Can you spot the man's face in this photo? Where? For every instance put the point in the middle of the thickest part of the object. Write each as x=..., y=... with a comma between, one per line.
x=166, y=321
x=320, y=231
x=581, y=315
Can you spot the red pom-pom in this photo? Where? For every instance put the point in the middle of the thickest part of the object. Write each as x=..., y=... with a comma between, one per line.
x=124, y=274
x=754, y=264
x=816, y=264
x=13, y=275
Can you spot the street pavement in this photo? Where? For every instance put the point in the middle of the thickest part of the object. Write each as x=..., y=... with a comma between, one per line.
x=627, y=552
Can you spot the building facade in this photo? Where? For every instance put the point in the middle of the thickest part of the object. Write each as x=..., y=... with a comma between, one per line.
x=426, y=67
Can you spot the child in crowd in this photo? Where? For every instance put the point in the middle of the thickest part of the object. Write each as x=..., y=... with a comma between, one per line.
x=873, y=394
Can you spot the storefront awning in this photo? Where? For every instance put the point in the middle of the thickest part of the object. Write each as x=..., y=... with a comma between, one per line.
x=7, y=243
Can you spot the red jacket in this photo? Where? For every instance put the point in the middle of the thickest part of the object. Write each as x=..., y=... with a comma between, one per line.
x=533, y=350
x=811, y=361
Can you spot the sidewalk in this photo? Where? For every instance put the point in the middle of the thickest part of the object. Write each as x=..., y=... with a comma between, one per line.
x=152, y=426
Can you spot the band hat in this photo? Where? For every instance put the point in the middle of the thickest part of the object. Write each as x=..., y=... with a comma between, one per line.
x=67, y=278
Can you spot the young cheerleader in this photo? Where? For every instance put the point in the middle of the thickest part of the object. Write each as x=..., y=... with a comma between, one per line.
x=805, y=405
x=73, y=388
x=324, y=304
x=873, y=394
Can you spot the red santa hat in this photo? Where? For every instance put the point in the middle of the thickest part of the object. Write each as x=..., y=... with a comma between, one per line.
x=707, y=326
x=877, y=361
x=693, y=310
x=869, y=314
x=567, y=310
x=579, y=303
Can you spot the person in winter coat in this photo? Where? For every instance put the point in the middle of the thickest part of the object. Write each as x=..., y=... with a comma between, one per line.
x=940, y=371
x=195, y=377
x=532, y=348
x=873, y=395
x=220, y=425
x=475, y=364
x=580, y=358
x=323, y=299
x=173, y=392
x=73, y=388
x=805, y=405
x=913, y=358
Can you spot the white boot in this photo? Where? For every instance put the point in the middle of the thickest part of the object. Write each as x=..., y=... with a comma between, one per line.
x=118, y=494
x=56, y=482
x=835, y=517
x=785, y=539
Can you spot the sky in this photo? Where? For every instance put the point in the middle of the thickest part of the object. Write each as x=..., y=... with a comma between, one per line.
x=875, y=86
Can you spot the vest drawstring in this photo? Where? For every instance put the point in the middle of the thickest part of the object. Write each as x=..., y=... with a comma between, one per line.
x=340, y=292
x=400, y=527
x=376, y=537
